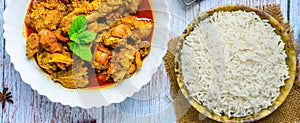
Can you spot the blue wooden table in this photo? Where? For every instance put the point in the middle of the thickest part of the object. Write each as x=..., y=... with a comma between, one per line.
x=148, y=105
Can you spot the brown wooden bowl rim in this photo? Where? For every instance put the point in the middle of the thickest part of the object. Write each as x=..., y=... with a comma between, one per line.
x=290, y=60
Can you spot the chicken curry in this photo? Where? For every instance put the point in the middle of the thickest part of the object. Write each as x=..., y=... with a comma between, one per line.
x=89, y=43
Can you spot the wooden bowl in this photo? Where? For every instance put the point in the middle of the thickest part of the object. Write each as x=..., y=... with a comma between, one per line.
x=290, y=61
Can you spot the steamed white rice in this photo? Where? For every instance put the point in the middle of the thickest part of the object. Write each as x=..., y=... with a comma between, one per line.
x=233, y=63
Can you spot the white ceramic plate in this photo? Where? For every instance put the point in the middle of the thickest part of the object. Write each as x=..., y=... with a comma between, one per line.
x=32, y=75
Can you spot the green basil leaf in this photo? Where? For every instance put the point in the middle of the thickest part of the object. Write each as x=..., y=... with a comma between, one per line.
x=72, y=44
x=74, y=37
x=83, y=51
x=79, y=23
x=86, y=36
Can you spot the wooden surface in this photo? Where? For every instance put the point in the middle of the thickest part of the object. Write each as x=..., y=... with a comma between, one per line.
x=149, y=105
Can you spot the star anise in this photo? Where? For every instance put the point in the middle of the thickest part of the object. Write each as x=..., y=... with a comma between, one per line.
x=5, y=96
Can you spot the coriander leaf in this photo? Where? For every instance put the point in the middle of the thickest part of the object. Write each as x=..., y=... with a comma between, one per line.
x=72, y=44
x=83, y=51
x=86, y=36
x=74, y=37
x=79, y=23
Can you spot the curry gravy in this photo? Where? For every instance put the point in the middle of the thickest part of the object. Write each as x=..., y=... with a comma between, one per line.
x=144, y=13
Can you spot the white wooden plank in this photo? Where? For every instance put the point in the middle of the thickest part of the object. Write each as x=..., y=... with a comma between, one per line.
x=193, y=11
x=2, y=6
x=295, y=21
x=178, y=18
x=295, y=18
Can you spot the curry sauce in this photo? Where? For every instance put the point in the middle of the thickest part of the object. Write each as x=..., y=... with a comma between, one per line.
x=118, y=50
